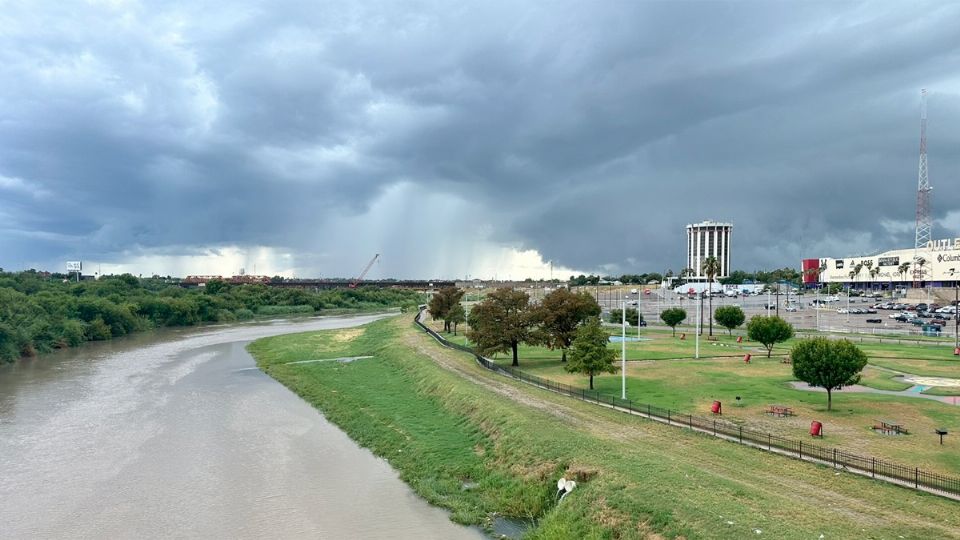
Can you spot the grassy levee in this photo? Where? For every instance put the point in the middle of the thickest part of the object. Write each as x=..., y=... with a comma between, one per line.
x=442, y=421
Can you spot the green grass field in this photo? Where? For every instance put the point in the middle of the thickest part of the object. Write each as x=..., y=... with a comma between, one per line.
x=668, y=376
x=943, y=391
x=442, y=421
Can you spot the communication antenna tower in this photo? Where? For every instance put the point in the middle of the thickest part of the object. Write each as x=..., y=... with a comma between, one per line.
x=924, y=221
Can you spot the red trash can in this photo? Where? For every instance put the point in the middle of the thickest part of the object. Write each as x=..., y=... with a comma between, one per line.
x=746, y=358
x=739, y=339
x=715, y=408
x=816, y=429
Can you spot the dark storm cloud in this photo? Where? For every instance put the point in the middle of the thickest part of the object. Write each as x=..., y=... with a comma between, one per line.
x=590, y=132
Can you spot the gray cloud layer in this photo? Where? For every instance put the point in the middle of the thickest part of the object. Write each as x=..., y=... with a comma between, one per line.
x=590, y=132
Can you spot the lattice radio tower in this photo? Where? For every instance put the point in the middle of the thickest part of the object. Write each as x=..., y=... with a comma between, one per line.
x=924, y=221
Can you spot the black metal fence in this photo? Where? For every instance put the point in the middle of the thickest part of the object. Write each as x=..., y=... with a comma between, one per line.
x=836, y=457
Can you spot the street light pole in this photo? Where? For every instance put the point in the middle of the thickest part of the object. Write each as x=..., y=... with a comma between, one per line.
x=816, y=306
x=623, y=352
x=778, y=298
x=699, y=326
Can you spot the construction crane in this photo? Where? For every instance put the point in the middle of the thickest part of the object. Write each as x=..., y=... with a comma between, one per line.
x=353, y=284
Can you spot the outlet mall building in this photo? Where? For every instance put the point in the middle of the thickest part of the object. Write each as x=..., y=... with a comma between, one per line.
x=887, y=271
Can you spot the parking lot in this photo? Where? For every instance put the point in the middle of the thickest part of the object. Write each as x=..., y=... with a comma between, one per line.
x=796, y=309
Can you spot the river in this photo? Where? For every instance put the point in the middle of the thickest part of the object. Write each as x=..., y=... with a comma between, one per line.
x=176, y=434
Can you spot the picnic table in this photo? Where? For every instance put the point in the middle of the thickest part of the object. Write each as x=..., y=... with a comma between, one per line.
x=890, y=427
x=779, y=410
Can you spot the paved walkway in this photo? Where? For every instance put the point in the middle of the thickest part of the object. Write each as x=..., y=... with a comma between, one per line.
x=913, y=391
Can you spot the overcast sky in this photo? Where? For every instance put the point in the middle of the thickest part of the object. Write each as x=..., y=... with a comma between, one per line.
x=467, y=138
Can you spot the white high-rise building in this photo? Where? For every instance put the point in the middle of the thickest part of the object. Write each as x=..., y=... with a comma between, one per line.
x=705, y=239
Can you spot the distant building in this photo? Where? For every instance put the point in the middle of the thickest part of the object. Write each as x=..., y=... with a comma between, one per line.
x=891, y=269
x=706, y=239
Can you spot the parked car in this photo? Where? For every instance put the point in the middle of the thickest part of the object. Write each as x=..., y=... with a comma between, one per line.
x=643, y=323
x=939, y=322
x=869, y=310
x=791, y=308
x=842, y=310
x=875, y=321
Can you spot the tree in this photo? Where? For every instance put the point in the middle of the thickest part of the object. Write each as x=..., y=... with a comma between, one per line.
x=769, y=331
x=456, y=315
x=729, y=317
x=441, y=303
x=633, y=316
x=918, y=264
x=710, y=267
x=501, y=322
x=589, y=354
x=903, y=269
x=672, y=317
x=559, y=315
x=828, y=364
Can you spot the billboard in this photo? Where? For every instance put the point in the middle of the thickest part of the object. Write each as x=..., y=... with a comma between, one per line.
x=74, y=266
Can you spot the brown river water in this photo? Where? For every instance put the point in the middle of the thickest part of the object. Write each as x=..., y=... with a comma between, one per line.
x=175, y=434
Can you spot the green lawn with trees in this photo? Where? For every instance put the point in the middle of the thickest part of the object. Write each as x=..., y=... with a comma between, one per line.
x=669, y=377
x=41, y=312
x=479, y=444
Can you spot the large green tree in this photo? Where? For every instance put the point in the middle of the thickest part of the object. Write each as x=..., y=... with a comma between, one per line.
x=769, y=331
x=558, y=315
x=633, y=316
x=589, y=353
x=710, y=268
x=501, y=322
x=828, y=364
x=729, y=317
x=441, y=303
x=672, y=317
x=456, y=316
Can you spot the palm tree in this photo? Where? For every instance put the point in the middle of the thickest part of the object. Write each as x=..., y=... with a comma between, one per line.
x=903, y=269
x=711, y=267
x=874, y=272
x=919, y=263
